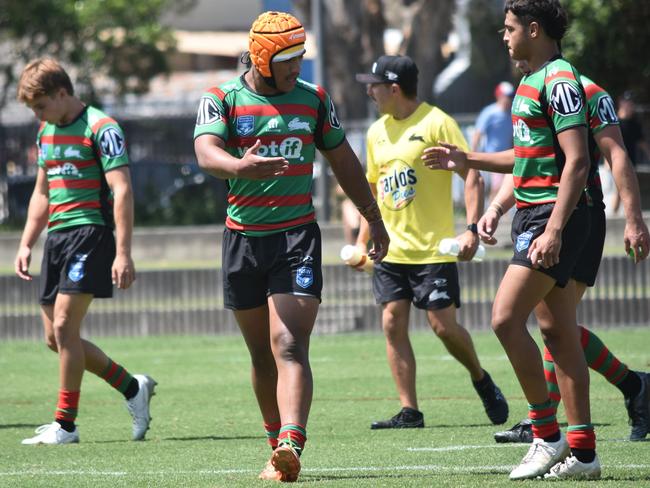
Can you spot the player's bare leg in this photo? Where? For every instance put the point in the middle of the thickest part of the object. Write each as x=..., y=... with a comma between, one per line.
x=456, y=339
x=395, y=320
x=254, y=325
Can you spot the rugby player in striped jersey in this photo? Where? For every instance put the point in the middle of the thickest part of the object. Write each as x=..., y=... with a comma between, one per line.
x=550, y=169
x=260, y=132
x=82, y=192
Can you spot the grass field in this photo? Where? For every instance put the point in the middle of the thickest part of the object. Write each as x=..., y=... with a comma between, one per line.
x=207, y=430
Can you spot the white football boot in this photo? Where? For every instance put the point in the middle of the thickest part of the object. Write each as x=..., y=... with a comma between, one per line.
x=138, y=406
x=572, y=469
x=52, y=434
x=540, y=458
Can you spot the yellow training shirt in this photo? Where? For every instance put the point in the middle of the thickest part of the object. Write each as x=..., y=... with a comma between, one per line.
x=415, y=202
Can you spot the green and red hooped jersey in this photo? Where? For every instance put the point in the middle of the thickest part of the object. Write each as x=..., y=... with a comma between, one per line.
x=292, y=125
x=601, y=113
x=75, y=158
x=547, y=102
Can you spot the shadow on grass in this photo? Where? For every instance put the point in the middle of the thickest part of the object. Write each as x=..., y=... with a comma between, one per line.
x=212, y=438
x=18, y=426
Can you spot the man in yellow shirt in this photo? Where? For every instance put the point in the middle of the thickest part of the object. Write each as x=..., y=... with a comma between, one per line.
x=417, y=208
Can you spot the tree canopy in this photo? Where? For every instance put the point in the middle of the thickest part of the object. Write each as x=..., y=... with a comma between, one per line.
x=121, y=40
x=608, y=41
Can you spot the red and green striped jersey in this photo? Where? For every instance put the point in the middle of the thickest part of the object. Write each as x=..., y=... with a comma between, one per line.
x=291, y=125
x=547, y=102
x=76, y=157
x=601, y=113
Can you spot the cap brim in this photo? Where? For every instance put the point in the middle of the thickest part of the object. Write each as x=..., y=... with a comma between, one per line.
x=369, y=78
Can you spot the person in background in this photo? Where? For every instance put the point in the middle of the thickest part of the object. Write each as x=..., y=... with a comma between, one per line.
x=83, y=190
x=632, y=133
x=493, y=130
x=417, y=206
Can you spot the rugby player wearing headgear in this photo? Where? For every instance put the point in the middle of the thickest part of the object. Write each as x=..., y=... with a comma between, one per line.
x=260, y=132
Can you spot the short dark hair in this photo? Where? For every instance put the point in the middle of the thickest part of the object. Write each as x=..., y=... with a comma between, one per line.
x=549, y=14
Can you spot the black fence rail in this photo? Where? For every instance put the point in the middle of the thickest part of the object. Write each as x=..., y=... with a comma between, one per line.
x=190, y=302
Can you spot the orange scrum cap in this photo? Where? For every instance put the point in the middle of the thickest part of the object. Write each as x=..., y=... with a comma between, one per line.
x=275, y=36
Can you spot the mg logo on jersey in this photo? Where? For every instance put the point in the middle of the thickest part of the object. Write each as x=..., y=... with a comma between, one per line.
x=396, y=186
x=566, y=99
x=606, y=110
x=334, y=120
x=208, y=111
x=245, y=125
x=289, y=148
x=521, y=131
x=111, y=143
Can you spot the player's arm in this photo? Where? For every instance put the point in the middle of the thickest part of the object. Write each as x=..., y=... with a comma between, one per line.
x=363, y=237
x=37, y=214
x=449, y=157
x=215, y=160
x=350, y=175
x=635, y=237
x=545, y=250
x=476, y=139
x=474, y=195
x=123, y=269
x=503, y=201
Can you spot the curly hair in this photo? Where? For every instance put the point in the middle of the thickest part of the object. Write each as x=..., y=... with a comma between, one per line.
x=549, y=14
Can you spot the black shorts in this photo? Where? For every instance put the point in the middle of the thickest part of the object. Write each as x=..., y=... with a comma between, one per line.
x=254, y=268
x=529, y=223
x=428, y=286
x=588, y=263
x=78, y=260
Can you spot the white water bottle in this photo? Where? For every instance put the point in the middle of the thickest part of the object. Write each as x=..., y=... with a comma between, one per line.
x=355, y=258
x=451, y=247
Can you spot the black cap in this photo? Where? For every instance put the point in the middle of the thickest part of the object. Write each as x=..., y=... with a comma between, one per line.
x=392, y=69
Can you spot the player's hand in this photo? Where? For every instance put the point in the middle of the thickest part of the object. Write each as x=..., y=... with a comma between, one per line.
x=21, y=263
x=363, y=249
x=468, y=244
x=123, y=271
x=445, y=156
x=637, y=240
x=255, y=167
x=487, y=226
x=544, y=252
x=380, y=241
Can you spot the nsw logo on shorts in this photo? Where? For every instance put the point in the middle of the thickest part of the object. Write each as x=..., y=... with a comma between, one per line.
x=305, y=277
x=76, y=272
x=523, y=240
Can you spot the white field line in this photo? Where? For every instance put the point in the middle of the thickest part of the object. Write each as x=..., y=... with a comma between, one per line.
x=463, y=448
x=358, y=469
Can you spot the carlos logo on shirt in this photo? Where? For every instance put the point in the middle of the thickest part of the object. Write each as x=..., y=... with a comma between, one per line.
x=396, y=185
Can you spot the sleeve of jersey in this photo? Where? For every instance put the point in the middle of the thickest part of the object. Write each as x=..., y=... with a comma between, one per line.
x=211, y=117
x=602, y=111
x=111, y=145
x=567, y=106
x=39, y=154
x=481, y=120
x=450, y=132
x=332, y=133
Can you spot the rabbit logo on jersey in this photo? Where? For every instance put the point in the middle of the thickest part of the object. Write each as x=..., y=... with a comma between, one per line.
x=396, y=186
